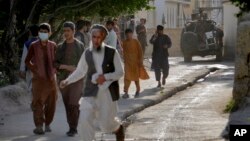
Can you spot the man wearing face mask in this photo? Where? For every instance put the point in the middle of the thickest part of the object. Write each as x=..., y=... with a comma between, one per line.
x=67, y=56
x=101, y=66
x=40, y=60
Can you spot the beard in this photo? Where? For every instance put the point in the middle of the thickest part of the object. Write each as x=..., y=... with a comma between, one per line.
x=97, y=49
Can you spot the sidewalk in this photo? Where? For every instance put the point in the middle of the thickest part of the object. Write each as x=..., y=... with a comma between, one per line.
x=18, y=127
x=179, y=79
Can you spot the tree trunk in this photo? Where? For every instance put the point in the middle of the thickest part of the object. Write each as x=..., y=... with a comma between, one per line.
x=8, y=45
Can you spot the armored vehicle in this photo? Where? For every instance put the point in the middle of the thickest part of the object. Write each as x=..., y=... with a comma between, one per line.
x=201, y=37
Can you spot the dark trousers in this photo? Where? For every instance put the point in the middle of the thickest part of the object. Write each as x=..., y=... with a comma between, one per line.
x=162, y=68
x=158, y=73
x=71, y=96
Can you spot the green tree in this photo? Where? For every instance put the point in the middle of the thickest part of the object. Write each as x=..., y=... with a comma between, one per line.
x=244, y=6
x=17, y=15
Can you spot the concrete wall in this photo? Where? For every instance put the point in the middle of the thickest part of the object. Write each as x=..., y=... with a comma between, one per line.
x=241, y=91
x=174, y=34
x=230, y=29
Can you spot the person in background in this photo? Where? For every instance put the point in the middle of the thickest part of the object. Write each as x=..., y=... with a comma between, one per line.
x=40, y=60
x=24, y=72
x=82, y=32
x=133, y=60
x=118, y=34
x=161, y=43
x=142, y=34
x=101, y=66
x=131, y=25
x=68, y=55
x=111, y=38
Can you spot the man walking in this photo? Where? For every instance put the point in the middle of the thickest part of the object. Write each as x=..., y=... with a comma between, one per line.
x=133, y=61
x=111, y=38
x=102, y=68
x=161, y=42
x=82, y=33
x=40, y=60
x=67, y=56
x=142, y=34
x=24, y=72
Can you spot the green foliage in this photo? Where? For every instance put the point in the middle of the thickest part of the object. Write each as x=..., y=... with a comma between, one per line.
x=244, y=6
x=89, y=8
x=15, y=19
x=231, y=106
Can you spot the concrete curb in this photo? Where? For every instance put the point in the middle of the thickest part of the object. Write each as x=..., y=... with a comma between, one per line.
x=158, y=98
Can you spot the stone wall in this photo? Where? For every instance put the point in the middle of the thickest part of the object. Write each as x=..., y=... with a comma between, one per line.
x=241, y=91
x=174, y=34
x=14, y=98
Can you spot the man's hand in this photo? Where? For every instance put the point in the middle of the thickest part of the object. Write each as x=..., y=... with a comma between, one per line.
x=69, y=68
x=63, y=84
x=22, y=74
x=101, y=79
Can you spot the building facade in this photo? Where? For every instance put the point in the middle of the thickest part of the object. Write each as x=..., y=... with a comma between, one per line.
x=173, y=14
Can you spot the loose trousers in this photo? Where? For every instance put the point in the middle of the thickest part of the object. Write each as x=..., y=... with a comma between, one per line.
x=71, y=96
x=98, y=112
x=127, y=84
x=161, y=67
x=43, y=101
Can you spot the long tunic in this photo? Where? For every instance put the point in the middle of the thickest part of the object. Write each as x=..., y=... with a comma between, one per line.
x=111, y=39
x=69, y=54
x=132, y=52
x=142, y=35
x=102, y=103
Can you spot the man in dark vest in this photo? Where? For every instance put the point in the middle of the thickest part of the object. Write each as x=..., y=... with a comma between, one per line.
x=102, y=68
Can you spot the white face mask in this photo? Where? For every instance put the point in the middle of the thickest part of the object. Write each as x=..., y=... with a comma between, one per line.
x=43, y=36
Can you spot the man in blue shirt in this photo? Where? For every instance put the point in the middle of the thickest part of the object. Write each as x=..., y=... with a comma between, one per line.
x=24, y=72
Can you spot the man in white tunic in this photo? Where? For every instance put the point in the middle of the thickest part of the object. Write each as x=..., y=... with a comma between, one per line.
x=102, y=68
x=111, y=38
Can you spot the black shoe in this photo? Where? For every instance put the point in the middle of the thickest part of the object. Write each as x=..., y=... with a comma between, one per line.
x=163, y=81
x=72, y=132
x=38, y=131
x=159, y=85
x=47, y=128
x=125, y=96
x=137, y=94
x=120, y=136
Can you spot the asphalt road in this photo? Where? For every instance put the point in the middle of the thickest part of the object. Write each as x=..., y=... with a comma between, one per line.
x=209, y=95
x=195, y=114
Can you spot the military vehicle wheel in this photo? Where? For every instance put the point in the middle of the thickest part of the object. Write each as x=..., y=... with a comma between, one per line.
x=187, y=58
x=219, y=55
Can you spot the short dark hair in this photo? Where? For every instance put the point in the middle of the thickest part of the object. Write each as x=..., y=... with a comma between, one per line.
x=160, y=27
x=100, y=27
x=34, y=29
x=69, y=24
x=128, y=31
x=88, y=23
x=79, y=24
x=109, y=22
x=45, y=26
